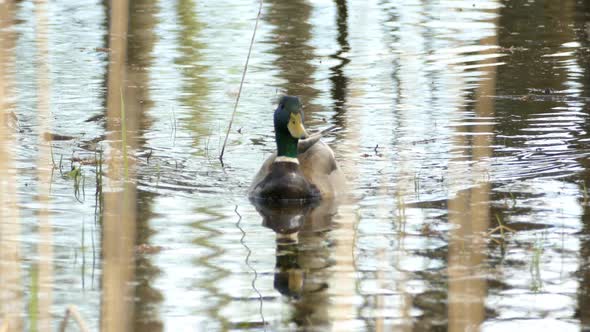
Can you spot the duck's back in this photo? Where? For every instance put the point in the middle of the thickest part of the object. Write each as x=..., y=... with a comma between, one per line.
x=319, y=167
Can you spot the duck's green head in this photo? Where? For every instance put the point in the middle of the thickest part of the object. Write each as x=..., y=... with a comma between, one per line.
x=288, y=120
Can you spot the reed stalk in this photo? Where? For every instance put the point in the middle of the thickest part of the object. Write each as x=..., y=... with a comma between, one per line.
x=231, y=121
x=124, y=138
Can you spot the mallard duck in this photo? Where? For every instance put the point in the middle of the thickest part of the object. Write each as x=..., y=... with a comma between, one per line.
x=303, y=168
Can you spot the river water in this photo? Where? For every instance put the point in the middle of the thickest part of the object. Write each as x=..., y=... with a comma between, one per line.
x=462, y=128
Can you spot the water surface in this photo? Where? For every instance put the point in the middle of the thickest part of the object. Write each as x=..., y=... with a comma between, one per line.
x=452, y=117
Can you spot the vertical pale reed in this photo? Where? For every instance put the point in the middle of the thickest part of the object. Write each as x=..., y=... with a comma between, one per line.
x=119, y=190
x=469, y=212
x=45, y=246
x=11, y=287
x=343, y=310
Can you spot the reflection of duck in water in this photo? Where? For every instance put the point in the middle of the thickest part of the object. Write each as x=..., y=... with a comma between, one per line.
x=303, y=257
x=303, y=168
x=286, y=221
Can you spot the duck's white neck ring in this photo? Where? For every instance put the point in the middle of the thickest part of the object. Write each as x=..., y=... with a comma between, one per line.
x=284, y=159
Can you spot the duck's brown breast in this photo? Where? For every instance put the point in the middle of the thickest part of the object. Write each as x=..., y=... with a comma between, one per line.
x=285, y=181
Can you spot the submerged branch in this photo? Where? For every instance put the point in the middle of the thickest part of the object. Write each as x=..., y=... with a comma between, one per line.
x=73, y=311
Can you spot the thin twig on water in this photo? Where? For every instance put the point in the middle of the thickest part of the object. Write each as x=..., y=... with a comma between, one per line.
x=241, y=82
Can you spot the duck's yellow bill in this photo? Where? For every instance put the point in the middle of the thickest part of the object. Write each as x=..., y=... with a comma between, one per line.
x=296, y=126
